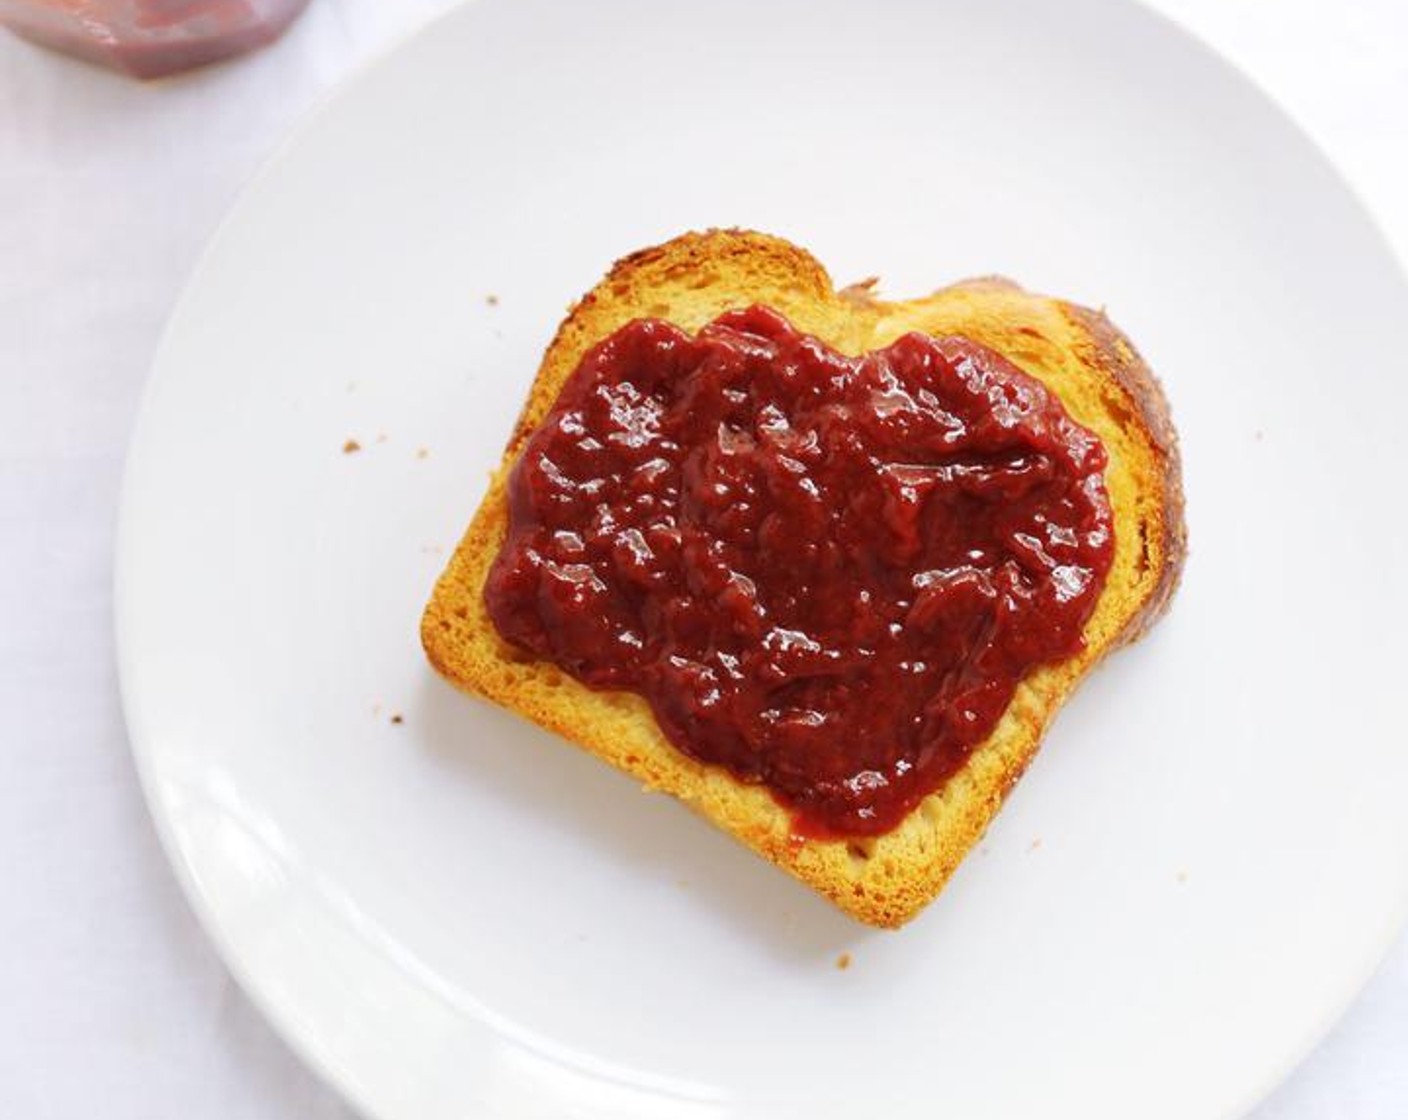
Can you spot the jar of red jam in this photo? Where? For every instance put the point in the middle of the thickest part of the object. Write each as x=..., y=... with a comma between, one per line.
x=150, y=38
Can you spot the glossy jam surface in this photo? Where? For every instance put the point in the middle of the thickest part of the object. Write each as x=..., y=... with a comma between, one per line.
x=827, y=574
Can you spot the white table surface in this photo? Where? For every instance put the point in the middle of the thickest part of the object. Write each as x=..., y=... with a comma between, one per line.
x=112, y=1004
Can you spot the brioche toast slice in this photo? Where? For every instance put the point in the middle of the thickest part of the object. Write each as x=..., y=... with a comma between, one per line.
x=1076, y=353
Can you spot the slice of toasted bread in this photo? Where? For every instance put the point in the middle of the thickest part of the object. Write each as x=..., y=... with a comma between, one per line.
x=689, y=281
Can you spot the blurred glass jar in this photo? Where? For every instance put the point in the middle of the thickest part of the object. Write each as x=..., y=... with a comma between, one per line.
x=150, y=38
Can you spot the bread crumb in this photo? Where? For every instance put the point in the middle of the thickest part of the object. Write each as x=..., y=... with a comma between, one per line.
x=843, y=962
x=422, y=453
x=351, y=446
x=381, y=437
x=492, y=300
x=1034, y=845
x=431, y=549
x=351, y=386
x=1259, y=435
x=1182, y=876
x=397, y=717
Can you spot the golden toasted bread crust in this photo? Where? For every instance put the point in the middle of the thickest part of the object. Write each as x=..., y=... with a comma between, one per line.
x=1118, y=358
x=1077, y=353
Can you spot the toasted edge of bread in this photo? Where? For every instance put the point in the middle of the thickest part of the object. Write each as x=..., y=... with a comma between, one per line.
x=1075, y=352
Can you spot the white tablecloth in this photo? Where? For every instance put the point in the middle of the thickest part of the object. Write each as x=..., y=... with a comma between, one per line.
x=112, y=1005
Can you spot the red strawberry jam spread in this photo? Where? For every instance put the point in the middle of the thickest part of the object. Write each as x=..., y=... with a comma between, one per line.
x=826, y=574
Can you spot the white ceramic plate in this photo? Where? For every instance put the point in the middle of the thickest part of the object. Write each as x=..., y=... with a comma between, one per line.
x=456, y=915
